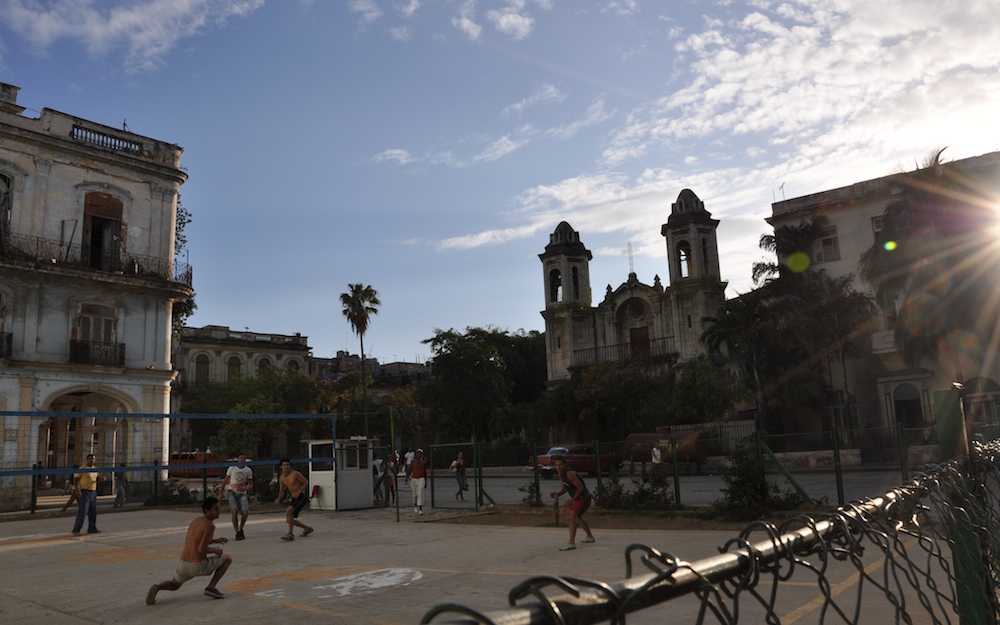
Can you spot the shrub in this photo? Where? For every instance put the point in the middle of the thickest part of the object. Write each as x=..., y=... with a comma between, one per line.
x=172, y=493
x=747, y=492
x=650, y=491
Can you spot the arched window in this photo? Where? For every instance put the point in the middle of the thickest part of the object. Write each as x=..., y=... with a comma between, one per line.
x=704, y=256
x=263, y=363
x=234, y=368
x=293, y=365
x=683, y=259
x=555, y=286
x=576, y=283
x=201, y=368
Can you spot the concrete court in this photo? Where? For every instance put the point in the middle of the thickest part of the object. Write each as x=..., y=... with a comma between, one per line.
x=358, y=567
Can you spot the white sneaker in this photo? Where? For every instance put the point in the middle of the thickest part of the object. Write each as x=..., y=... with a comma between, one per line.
x=415, y=510
x=587, y=539
x=567, y=547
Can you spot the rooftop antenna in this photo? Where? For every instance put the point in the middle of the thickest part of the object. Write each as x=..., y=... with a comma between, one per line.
x=630, y=251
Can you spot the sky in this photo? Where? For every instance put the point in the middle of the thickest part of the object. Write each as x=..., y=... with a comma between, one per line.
x=429, y=147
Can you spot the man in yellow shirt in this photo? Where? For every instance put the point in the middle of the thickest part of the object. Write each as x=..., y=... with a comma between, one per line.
x=86, y=493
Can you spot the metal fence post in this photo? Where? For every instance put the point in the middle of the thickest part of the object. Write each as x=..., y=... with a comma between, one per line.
x=534, y=471
x=837, y=467
x=677, y=470
x=597, y=457
x=902, y=452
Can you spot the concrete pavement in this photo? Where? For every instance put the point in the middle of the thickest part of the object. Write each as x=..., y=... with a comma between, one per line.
x=358, y=567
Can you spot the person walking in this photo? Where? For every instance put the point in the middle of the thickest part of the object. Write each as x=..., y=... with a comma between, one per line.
x=458, y=468
x=579, y=501
x=237, y=487
x=408, y=463
x=296, y=484
x=656, y=458
x=121, y=484
x=86, y=494
x=391, y=465
x=418, y=475
x=198, y=558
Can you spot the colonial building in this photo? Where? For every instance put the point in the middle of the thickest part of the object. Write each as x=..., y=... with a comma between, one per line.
x=882, y=386
x=87, y=283
x=218, y=354
x=635, y=319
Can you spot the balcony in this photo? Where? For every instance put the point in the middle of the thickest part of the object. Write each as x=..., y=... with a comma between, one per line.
x=97, y=353
x=17, y=247
x=655, y=348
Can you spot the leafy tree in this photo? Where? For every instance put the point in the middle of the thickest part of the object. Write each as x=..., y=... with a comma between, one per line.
x=359, y=304
x=182, y=310
x=271, y=391
x=487, y=383
x=615, y=398
x=792, y=247
x=469, y=386
x=702, y=394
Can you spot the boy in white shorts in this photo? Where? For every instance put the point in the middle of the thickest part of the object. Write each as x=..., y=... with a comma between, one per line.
x=198, y=558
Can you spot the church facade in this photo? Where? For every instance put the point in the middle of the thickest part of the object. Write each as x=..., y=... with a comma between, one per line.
x=635, y=320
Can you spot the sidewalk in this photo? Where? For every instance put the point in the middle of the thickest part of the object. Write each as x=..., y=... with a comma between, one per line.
x=358, y=567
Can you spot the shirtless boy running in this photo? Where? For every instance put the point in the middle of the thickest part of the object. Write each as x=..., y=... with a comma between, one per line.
x=198, y=558
x=296, y=484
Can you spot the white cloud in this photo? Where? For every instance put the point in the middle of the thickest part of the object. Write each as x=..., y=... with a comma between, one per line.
x=511, y=20
x=369, y=10
x=398, y=156
x=465, y=21
x=401, y=33
x=544, y=94
x=499, y=149
x=148, y=30
x=595, y=115
x=409, y=8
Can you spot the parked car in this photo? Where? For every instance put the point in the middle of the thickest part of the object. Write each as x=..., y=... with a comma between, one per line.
x=580, y=458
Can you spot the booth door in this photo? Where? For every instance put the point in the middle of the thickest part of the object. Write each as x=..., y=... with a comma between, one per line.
x=354, y=476
x=322, y=476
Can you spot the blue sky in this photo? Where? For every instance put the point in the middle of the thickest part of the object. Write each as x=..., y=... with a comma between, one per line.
x=429, y=147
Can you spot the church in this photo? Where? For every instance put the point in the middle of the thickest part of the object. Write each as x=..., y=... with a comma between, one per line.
x=635, y=320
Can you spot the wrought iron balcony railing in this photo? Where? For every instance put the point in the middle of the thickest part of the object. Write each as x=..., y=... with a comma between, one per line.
x=39, y=249
x=623, y=351
x=97, y=353
x=5, y=344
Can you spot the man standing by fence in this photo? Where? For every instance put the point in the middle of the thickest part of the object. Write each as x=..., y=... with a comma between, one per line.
x=237, y=487
x=86, y=493
x=418, y=469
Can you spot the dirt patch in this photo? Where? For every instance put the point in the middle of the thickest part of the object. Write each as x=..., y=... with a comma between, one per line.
x=606, y=519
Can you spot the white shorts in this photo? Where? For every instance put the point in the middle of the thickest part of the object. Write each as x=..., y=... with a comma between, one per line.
x=190, y=570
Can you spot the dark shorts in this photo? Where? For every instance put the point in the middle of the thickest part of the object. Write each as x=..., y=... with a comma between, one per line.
x=581, y=505
x=297, y=504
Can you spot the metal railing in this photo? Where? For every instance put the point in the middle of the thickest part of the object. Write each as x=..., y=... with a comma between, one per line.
x=623, y=351
x=97, y=353
x=51, y=251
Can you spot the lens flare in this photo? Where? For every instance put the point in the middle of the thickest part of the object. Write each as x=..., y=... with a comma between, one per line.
x=798, y=262
x=889, y=246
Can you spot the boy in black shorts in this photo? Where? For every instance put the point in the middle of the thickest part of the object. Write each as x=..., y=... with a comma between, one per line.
x=296, y=484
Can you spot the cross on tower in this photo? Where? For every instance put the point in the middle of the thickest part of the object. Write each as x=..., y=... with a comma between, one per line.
x=629, y=251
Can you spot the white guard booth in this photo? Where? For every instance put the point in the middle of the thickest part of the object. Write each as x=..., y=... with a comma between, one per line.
x=322, y=476
x=354, y=473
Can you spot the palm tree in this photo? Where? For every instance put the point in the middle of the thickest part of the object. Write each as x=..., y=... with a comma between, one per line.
x=359, y=303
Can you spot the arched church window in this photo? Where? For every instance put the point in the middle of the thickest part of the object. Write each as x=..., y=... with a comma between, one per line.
x=555, y=286
x=684, y=259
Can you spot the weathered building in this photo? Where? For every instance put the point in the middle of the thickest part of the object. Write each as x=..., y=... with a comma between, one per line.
x=87, y=283
x=634, y=320
x=880, y=385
